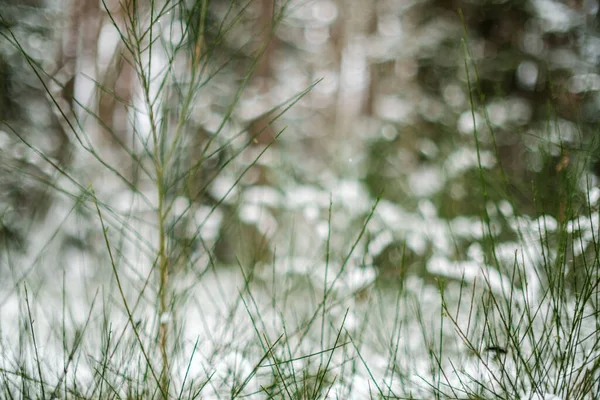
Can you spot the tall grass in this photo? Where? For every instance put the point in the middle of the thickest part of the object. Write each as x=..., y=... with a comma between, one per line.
x=536, y=335
x=174, y=60
x=143, y=306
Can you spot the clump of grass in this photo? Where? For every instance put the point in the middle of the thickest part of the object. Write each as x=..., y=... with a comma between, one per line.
x=538, y=335
x=174, y=54
x=522, y=329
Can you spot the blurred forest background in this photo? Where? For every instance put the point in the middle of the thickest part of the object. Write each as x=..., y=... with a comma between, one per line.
x=391, y=116
x=445, y=113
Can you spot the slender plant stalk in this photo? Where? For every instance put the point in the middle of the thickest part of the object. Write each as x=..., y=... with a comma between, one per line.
x=163, y=293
